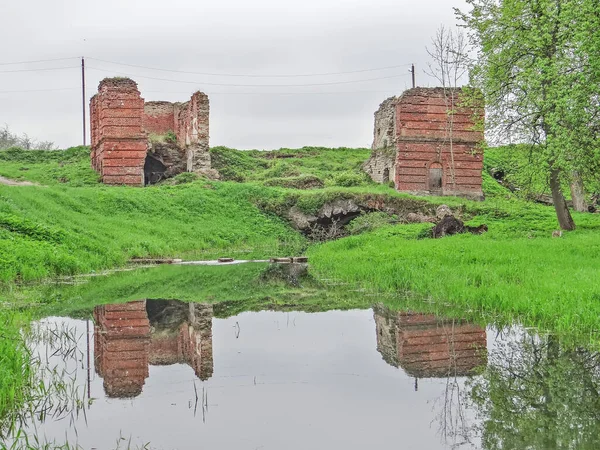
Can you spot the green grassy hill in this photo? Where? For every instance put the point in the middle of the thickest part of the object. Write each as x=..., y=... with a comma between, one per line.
x=72, y=224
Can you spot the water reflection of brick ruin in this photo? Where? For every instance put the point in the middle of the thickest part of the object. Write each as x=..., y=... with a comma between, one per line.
x=427, y=346
x=131, y=336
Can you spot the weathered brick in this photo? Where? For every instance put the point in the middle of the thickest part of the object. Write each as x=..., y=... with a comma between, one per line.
x=417, y=126
x=128, y=180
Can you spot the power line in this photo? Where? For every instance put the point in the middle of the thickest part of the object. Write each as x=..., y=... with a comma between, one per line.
x=38, y=70
x=39, y=90
x=249, y=75
x=272, y=93
x=253, y=85
x=37, y=61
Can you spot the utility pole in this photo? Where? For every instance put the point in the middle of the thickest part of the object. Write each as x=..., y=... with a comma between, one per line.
x=83, y=95
x=412, y=71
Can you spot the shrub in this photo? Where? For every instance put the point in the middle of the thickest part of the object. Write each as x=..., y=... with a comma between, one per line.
x=349, y=179
x=301, y=182
x=184, y=178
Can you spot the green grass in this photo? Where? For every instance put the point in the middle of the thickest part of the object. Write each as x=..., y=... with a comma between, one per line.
x=287, y=167
x=78, y=228
x=516, y=269
x=14, y=368
x=70, y=167
x=57, y=230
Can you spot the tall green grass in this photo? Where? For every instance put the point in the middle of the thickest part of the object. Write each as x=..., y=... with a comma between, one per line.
x=56, y=230
x=15, y=373
x=542, y=281
x=289, y=167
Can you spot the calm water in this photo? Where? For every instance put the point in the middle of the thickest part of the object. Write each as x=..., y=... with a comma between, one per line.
x=171, y=374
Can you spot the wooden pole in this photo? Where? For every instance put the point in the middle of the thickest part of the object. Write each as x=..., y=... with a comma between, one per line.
x=412, y=70
x=83, y=95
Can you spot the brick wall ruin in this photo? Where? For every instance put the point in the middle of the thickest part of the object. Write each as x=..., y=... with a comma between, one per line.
x=427, y=142
x=131, y=336
x=131, y=140
x=427, y=346
x=121, y=342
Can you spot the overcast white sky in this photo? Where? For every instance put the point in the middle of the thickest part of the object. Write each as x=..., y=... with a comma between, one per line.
x=260, y=37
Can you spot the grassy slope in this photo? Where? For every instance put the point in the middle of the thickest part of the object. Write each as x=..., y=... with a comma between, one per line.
x=72, y=224
x=516, y=267
x=288, y=167
x=46, y=231
x=75, y=225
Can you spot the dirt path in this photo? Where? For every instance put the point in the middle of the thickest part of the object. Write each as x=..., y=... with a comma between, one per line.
x=9, y=182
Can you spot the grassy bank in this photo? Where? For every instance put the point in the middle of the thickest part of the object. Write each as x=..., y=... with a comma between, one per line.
x=546, y=282
x=56, y=230
x=14, y=363
x=73, y=225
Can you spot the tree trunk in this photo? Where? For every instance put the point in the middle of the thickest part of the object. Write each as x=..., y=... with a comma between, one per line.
x=560, y=204
x=578, y=193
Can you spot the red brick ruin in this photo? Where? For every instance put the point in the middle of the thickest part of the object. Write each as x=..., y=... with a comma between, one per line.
x=131, y=336
x=427, y=142
x=426, y=346
x=136, y=143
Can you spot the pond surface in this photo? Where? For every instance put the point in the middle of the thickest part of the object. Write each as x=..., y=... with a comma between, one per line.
x=166, y=374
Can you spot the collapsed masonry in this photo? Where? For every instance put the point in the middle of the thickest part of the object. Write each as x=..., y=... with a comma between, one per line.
x=137, y=143
x=427, y=142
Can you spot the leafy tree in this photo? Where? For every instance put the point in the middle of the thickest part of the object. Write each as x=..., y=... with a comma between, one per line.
x=538, y=65
x=538, y=394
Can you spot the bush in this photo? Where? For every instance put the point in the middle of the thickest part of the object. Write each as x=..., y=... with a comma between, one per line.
x=301, y=182
x=349, y=179
x=171, y=137
x=183, y=178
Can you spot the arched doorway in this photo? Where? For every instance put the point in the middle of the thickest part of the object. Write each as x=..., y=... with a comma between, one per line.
x=435, y=177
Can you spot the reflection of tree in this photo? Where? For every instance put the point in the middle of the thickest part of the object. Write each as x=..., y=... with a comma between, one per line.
x=428, y=346
x=536, y=394
x=453, y=425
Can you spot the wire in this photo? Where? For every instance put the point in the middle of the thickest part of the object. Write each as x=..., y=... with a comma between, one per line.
x=249, y=76
x=41, y=90
x=36, y=70
x=253, y=85
x=272, y=93
x=38, y=61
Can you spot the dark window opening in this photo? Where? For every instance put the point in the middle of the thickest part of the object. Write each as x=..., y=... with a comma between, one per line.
x=154, y=170
x=386, y=175
x=435, y=177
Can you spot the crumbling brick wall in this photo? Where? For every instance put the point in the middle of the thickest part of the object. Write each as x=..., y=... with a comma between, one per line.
x=121, y=123
x=119, y=144
x=192, y=130
x=427, y=346
x=159, y=117
x=381, y=167
x=436, y=143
